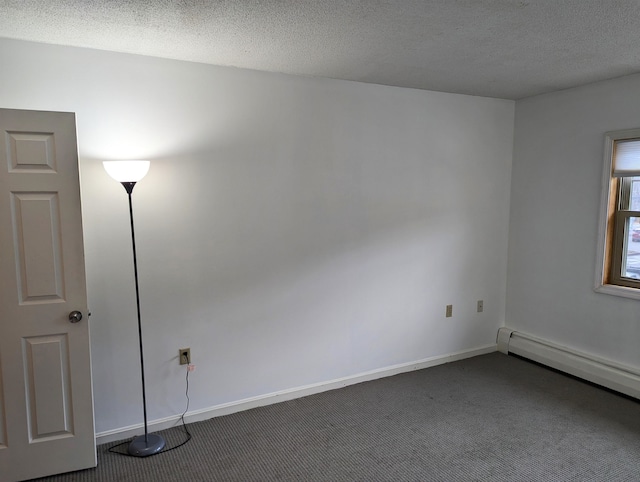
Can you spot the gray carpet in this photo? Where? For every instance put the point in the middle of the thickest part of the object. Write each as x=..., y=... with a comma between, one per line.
x=493, y=417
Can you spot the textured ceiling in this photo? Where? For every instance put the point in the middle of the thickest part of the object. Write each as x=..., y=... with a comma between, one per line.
x=496, y=48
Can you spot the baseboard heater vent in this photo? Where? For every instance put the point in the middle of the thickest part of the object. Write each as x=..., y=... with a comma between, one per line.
x=609, y=374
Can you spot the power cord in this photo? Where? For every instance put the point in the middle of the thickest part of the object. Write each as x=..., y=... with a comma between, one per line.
x=184, y=425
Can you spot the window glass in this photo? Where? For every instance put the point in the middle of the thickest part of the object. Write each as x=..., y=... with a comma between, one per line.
x=631, y=256
x=635, y=194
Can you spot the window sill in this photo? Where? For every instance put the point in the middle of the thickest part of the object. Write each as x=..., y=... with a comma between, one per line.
x=616, y=290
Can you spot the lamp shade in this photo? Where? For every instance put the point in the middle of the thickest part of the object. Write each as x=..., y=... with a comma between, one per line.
x=126, y=171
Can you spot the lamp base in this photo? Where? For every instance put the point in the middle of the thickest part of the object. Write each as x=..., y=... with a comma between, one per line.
x=143, y=446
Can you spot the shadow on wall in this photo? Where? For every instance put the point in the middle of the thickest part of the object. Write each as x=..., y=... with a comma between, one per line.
x=318, y=256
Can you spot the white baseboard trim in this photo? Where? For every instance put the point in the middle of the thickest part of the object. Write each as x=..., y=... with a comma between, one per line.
x=290, y=394
x=618, y=377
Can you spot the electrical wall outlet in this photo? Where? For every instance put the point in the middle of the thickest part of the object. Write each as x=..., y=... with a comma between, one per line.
x=480, y=306
x=184, y=355
x=449, y=311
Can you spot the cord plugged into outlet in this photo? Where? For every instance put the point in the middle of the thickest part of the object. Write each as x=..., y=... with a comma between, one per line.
x=185, y=356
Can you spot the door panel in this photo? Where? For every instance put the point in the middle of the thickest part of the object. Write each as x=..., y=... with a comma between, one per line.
x=37, y=241
x=49, y=412
x=31, y=152
x=45, y=369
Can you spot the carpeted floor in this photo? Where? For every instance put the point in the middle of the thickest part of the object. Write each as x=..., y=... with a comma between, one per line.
x=488, y=418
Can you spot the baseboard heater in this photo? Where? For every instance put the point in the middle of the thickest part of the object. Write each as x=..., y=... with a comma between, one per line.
x=606, y=373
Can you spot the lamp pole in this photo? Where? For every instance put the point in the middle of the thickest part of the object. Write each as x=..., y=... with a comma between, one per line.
x=129, y=188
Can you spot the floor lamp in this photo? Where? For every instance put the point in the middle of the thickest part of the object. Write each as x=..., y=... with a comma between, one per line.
x=128, y=173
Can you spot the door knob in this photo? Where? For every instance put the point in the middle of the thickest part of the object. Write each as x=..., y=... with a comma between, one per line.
x=75, y=316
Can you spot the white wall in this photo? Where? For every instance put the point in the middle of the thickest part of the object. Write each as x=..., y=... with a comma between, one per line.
x=555, y=199
x=290, y=231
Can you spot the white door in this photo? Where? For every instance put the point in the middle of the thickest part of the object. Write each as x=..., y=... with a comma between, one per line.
x=46, y=402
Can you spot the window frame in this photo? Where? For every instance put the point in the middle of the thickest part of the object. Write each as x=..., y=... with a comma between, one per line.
x=612, y=231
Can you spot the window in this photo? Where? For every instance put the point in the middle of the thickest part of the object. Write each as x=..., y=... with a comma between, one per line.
x=618, y=268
